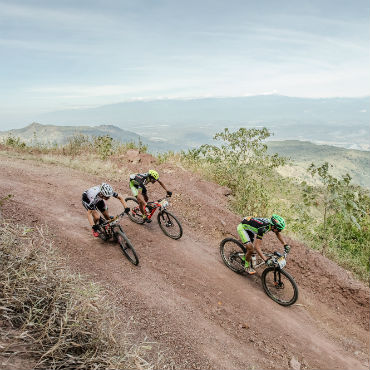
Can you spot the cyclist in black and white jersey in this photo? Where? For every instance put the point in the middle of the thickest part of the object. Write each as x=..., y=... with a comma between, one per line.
x=93, y=200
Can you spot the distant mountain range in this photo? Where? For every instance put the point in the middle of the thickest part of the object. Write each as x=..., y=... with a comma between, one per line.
x=355, y=162
x=51, y=134
x=336, y=121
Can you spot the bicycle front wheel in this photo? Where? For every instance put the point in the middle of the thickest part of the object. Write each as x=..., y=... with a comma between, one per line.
x=126, y=247
x=280, y=286
x=169, y=224
x=232, y=251
x=135, y=214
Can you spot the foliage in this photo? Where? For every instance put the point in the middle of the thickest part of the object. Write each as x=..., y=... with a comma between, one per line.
x=14, y=142
x=241, y=163
x=103, y=146
x=334, y=197
x=76, y=144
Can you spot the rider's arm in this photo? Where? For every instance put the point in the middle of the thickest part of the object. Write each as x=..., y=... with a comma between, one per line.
x=122, y=200
x=163, y=186
x=280, y=237
x=257, y=246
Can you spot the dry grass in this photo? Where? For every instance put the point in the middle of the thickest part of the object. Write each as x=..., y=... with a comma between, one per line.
x=61, y=320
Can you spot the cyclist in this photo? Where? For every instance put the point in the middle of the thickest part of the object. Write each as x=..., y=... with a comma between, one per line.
x=251, y=226
x=137, y=185
x=93, y=200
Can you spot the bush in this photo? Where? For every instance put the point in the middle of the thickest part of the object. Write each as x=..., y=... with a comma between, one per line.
x=15, y=142
x=76, y=144
x=61, y=317
x=241, y=163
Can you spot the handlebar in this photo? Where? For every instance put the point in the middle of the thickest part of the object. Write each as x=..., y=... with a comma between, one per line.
x=115, y=218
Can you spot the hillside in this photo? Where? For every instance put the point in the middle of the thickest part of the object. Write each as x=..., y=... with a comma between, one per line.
x=181, y=295
x=301, y=153
x=55, y=134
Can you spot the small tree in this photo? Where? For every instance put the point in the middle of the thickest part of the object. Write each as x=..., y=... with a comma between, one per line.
x=104, y=146
x=241, y=162
x=334, y=197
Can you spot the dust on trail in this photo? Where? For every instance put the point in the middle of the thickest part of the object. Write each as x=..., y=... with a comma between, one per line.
x=181, y=295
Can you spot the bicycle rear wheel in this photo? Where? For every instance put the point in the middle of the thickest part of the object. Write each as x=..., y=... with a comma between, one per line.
x=231, y=251
x=127, y=248
x=280, y=286
x=135, y=214
x=170, y=225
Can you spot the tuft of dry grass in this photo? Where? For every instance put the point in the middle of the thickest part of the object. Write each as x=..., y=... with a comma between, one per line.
x=61, y=319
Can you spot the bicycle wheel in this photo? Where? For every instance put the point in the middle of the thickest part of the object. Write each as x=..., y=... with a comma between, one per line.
x=279, y=286
x=169, y=224
x=127, y=248
x=135, y=213
x=231, y=251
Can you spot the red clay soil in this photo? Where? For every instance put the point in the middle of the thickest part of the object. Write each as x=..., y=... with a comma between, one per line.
x=182, y=295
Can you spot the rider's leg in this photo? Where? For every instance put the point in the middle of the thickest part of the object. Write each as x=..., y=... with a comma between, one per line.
x=96, y=217
x=247, y=240
x=140, y=198
x=105, y=214
x=93, y=217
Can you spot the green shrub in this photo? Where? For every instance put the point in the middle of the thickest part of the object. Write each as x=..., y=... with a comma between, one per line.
x=14, y=142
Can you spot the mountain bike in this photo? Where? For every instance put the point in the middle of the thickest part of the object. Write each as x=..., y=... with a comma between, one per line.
x=278, y=284
x=168, y=223
x=111, y=229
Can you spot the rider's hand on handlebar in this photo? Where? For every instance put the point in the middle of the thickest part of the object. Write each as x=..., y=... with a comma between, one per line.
x=269, y=262
x=95, y=227
x=169, y=193
x=127, y=210
x=286, y=248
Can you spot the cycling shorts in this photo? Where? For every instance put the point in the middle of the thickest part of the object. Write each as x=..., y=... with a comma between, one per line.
x=100, y=205
x=137, y=188
x=245, y=235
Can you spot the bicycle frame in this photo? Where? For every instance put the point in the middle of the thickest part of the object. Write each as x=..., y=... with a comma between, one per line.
x=109, y=225
x=274, y=257
x=157, y=204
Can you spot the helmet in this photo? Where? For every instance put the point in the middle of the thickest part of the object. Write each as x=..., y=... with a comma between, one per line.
x=278, y=222
x=106, y=190
x=154, y=174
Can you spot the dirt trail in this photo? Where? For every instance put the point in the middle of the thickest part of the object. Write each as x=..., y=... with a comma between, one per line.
x=181, y=295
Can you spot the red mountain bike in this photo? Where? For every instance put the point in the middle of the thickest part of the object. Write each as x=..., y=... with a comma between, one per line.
x=168, y=223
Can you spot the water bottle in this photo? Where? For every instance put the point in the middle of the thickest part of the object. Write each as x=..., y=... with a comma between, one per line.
x=254, y=259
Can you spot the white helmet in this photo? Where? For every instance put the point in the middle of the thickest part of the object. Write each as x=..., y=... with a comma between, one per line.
x=106, y=190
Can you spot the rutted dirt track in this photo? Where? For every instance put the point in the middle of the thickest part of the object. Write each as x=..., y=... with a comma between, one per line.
x=181, y=295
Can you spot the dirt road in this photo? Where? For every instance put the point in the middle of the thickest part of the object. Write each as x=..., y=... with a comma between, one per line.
x=181, y=295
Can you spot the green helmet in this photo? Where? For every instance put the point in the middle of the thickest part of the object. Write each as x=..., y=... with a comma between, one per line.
x=278, y=222
x=154, y=174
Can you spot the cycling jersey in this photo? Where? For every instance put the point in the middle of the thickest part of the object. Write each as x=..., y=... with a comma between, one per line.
x=138, y=182
x=91, y=199
x=251, y=226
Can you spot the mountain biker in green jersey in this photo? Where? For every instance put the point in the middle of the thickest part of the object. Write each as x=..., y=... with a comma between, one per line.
x=137, y=185
x=93, y=200
x=251, y=226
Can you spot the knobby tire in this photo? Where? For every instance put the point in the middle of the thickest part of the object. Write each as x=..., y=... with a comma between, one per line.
x=165, y=217
x=138, y=218
x=290, y=286
x=126, y=247
x=230, y=257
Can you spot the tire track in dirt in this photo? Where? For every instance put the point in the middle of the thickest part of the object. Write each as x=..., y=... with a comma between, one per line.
x=181, y=295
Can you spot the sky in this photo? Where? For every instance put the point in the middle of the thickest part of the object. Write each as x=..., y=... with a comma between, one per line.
x=72, y=54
